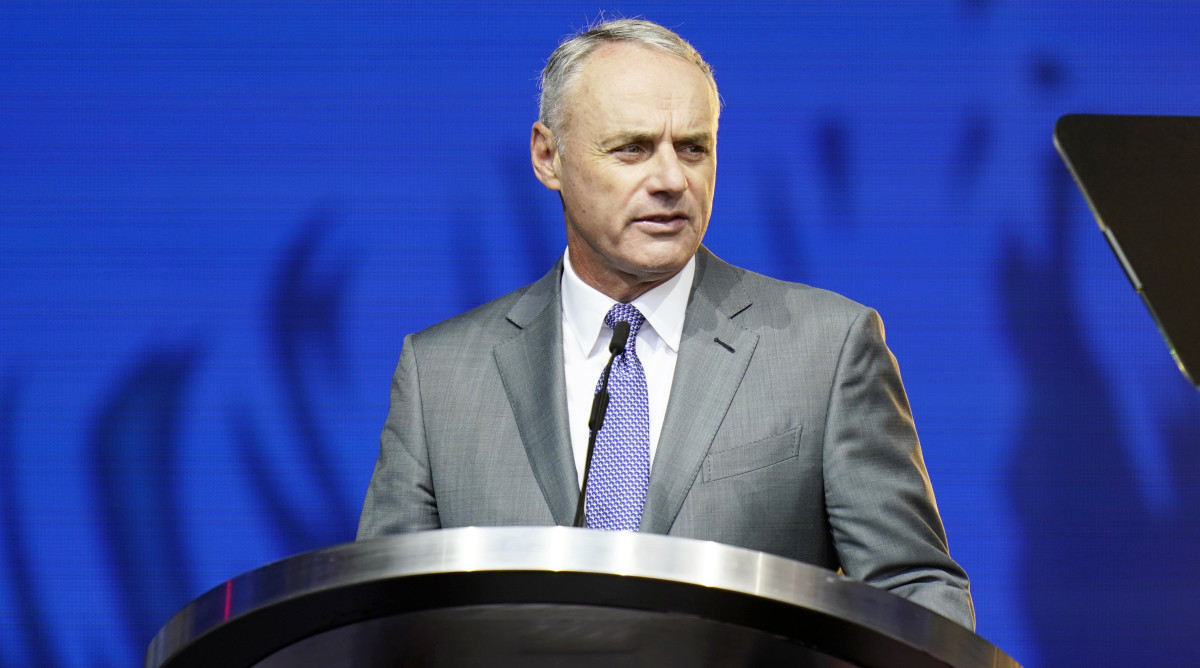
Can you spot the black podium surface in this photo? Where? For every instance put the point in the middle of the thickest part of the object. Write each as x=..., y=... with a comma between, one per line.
x=555, y=597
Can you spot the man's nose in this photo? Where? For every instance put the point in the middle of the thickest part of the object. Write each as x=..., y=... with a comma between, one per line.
x=667, y=175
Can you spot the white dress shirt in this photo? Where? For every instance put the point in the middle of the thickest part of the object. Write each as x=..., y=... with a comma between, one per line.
x=585, y=348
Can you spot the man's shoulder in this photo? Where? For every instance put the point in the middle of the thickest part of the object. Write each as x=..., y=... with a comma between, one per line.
x=767, y=295
x=494, y=320
x=479, y=321
x=793, y=291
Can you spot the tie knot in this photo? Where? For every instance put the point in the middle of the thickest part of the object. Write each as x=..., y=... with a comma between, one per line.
x=625, y=312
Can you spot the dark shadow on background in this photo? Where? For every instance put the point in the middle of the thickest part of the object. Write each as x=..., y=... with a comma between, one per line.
x=973, y=147
x=305, y=315
x=835, y=160
x=781, y=222
x=976, y=7
x=135, y=446
x=30, y=622
x=294, y=530
x=1102, y=578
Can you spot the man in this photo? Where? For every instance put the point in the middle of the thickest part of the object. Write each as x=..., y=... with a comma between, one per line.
x=744, y=410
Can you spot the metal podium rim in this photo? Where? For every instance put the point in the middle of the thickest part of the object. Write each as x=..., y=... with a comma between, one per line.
x=560, y=550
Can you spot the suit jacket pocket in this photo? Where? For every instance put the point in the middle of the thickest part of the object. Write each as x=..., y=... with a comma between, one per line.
x=752, y=456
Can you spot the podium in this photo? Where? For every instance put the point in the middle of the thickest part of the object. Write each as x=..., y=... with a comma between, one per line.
x=532, y=596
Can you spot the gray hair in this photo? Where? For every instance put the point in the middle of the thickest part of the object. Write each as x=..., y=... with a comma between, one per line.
x=563, y=68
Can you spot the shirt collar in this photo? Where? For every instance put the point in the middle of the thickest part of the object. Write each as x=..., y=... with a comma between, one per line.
x=664, y=307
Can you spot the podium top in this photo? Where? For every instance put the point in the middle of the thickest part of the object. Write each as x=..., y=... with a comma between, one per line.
x=652, y=585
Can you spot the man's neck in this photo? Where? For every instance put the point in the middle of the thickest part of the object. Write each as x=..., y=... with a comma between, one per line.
x=584, y=308
x=623, y=288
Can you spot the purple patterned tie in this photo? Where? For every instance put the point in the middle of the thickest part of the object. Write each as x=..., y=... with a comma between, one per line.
x=620, y=473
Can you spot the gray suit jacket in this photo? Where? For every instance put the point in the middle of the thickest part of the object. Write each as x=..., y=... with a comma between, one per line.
x=787, y=431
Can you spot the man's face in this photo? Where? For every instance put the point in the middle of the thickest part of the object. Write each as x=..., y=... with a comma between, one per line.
x=637, y=168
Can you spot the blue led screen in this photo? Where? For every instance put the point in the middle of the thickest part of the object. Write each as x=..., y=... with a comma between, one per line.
x=219, y=219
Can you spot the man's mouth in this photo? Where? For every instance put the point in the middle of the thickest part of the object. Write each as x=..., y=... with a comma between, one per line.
x=673, y=218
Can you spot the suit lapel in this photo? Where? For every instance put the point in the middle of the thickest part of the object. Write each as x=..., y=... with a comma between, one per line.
x=714, y=353
x=531, y=368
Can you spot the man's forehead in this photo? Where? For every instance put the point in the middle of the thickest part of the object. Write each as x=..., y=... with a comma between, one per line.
x=631, y=58
x=617, y=124
x=622, y=82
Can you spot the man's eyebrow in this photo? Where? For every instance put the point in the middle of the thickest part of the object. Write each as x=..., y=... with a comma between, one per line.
x=629, y=137
x=698, y=138
x=640, y=136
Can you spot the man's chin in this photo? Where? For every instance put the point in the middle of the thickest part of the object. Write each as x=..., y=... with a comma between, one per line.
x=659, y=268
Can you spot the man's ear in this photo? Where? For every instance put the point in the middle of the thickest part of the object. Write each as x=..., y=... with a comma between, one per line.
x=543, y=152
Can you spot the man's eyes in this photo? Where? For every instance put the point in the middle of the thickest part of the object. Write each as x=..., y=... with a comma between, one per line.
x=695, y=150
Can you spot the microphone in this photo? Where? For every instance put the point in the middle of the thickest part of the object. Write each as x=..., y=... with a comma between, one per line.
x=599, y=409
x=619, y=339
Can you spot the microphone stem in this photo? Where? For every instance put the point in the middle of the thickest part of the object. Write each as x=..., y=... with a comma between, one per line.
x=599, y=410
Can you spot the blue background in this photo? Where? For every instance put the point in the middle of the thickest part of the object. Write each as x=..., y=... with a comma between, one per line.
x=218, y=220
